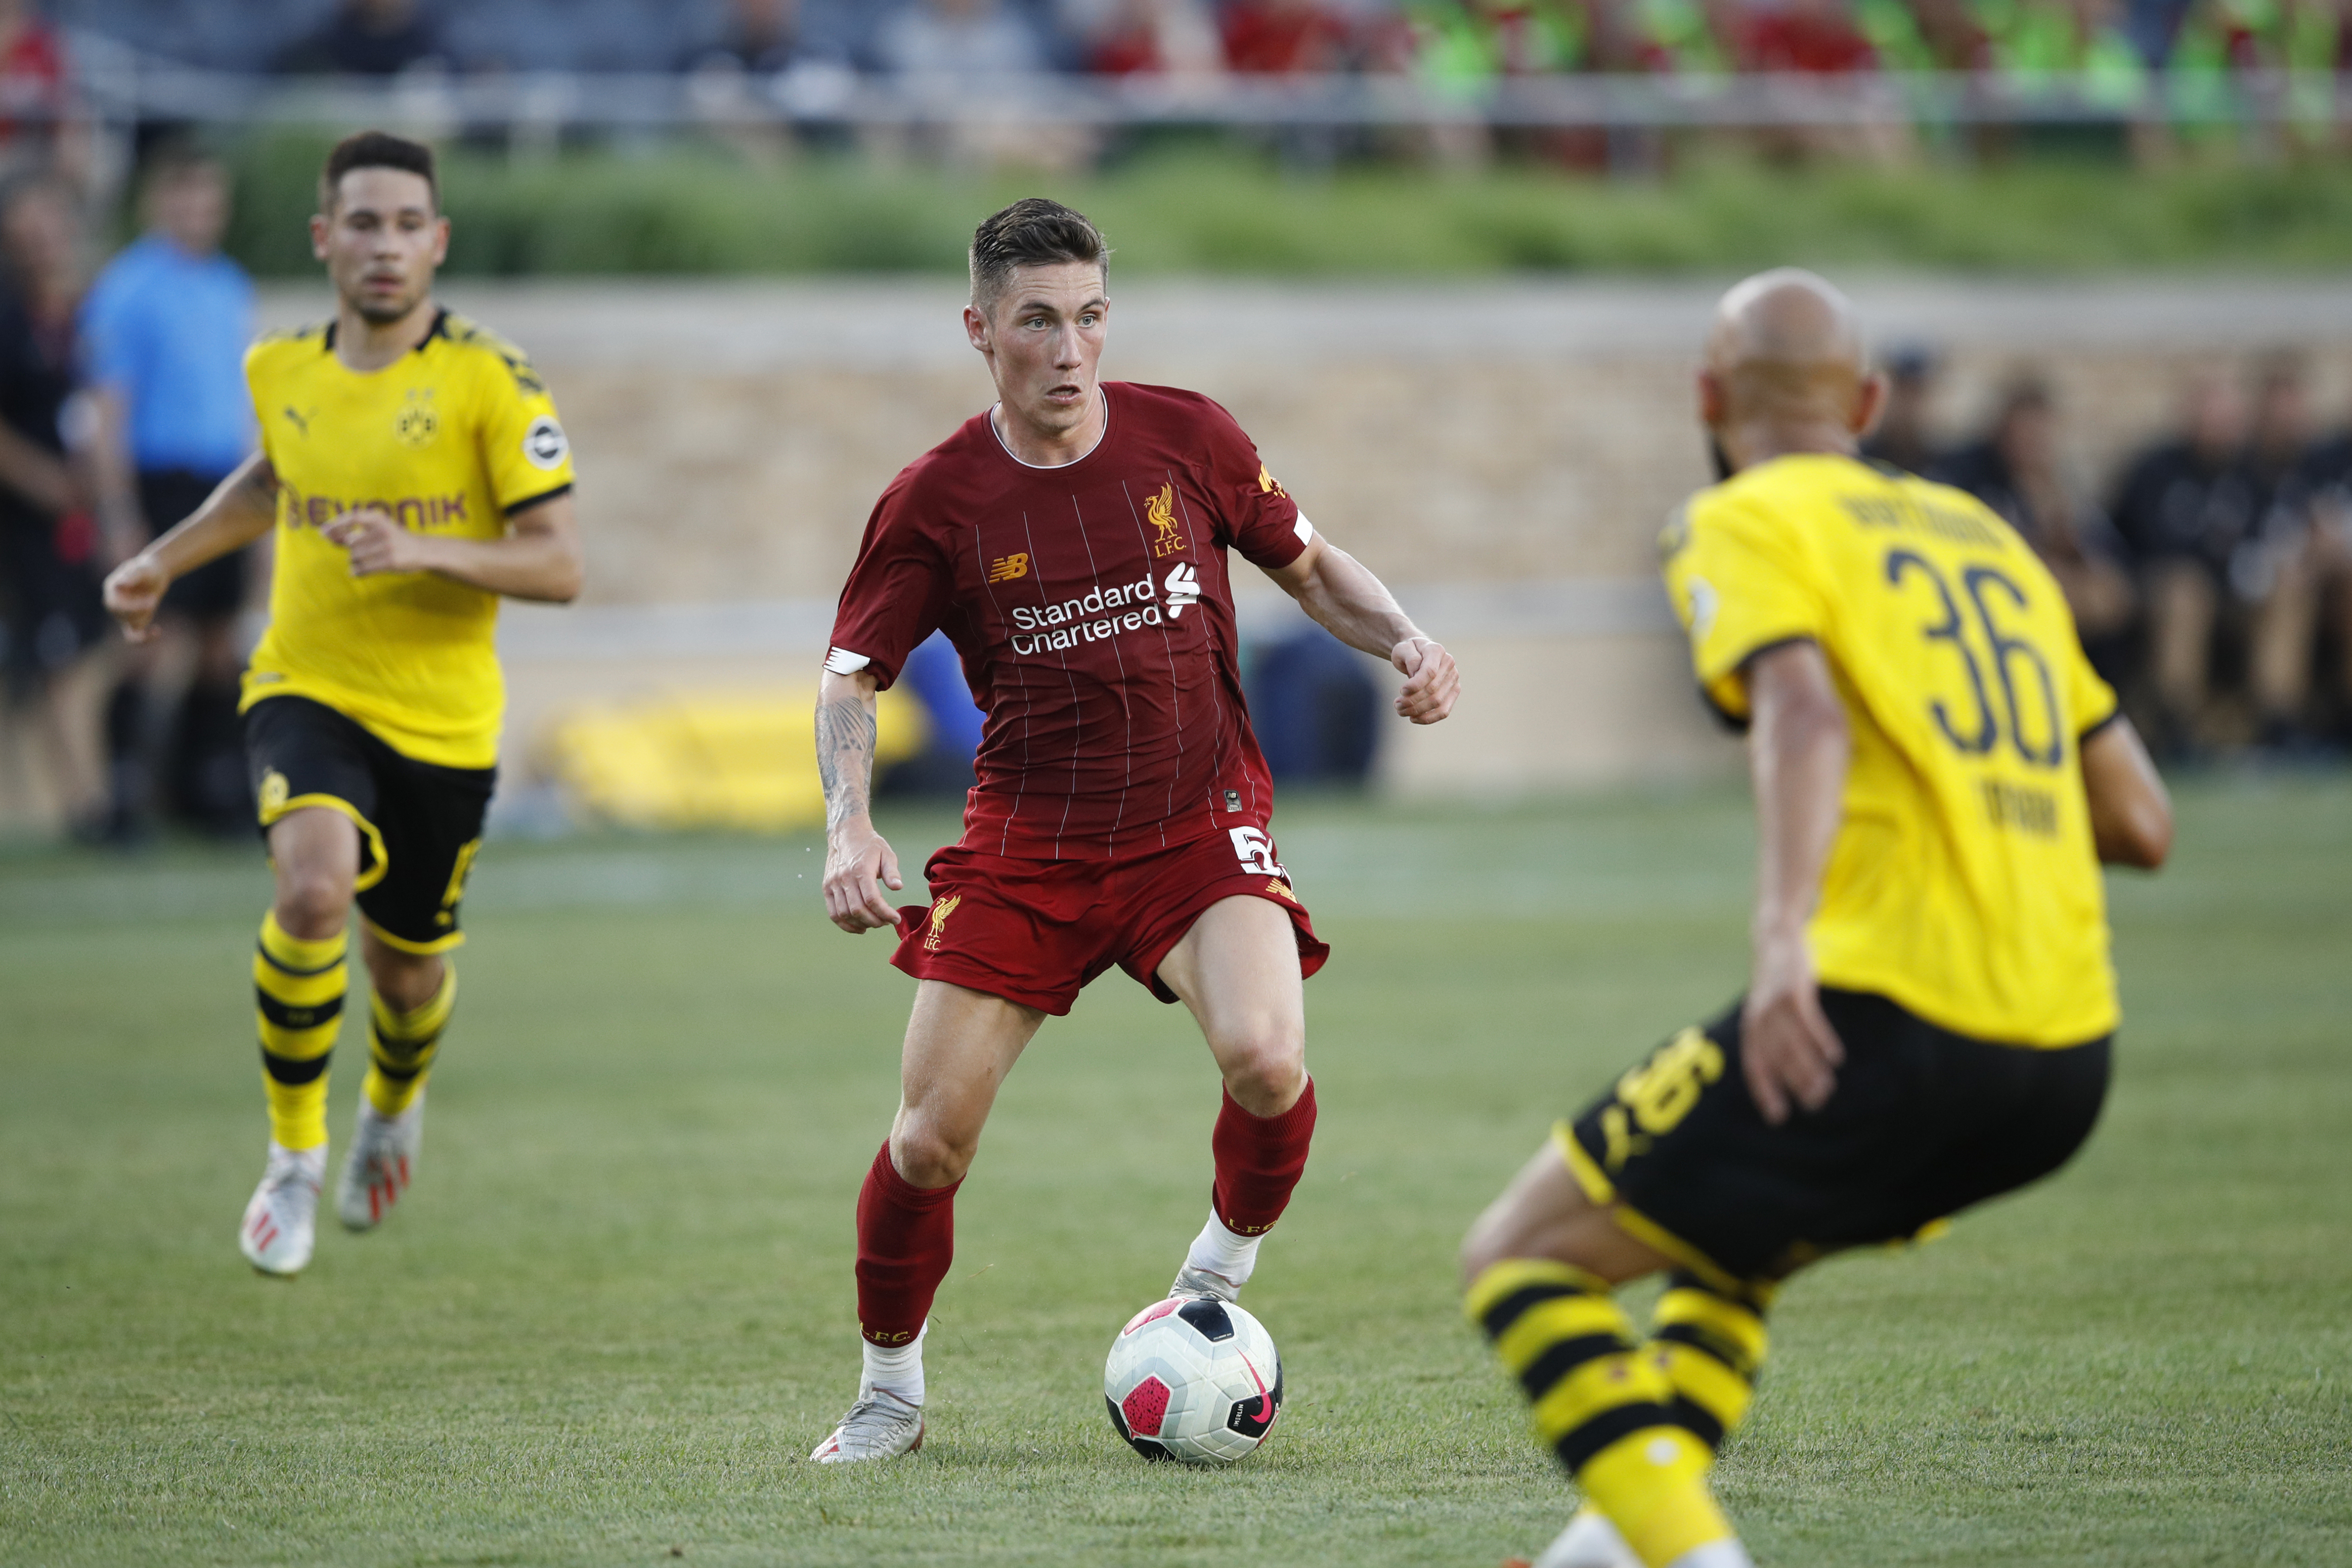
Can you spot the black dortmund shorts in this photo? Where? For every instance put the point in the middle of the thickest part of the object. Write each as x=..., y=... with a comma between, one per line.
x=1921, y=1124
x=419, y=825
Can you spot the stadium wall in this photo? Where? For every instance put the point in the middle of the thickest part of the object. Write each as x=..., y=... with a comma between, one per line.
x=1503, y=454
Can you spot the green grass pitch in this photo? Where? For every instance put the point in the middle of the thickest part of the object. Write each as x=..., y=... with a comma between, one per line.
x=616, y=1310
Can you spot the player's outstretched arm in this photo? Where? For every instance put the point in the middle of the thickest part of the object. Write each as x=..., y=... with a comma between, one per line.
x=1344, y=597
x=538, y=559
x=2131, y=814
x=1797, y=745
x=238, y=511
x=857, y=858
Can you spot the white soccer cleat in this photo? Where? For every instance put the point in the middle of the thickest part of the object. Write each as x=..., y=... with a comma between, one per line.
x=1725, y=1553
x=382, y=1160
x=281, y=1223
x=880, y=1425
x=1192, y=1281
x=1589, y=1542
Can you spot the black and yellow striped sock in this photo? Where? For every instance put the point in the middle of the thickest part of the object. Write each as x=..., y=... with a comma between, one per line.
x=297, y=993
x=402, y=1045
x=1600, y=1403
x=1710, y=1345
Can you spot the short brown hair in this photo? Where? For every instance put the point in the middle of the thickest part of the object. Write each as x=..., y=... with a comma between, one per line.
x=375, y=150
x=1031, y=232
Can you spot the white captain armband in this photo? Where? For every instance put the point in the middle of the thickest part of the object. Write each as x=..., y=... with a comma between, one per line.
x=1305, y=529
x=841, y=661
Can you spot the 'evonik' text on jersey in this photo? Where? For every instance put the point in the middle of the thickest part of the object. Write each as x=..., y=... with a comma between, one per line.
x=451, y=437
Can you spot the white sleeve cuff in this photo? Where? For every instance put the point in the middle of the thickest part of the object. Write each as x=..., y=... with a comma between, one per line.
x=1305, y=529
x=841, y=661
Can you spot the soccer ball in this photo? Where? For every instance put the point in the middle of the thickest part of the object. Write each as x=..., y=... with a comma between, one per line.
x=1193, y=1378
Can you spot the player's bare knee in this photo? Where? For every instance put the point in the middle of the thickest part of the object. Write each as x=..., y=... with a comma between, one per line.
x=1264, y=1066
x=312, y=901
x=927, y=1157
x=406, y=981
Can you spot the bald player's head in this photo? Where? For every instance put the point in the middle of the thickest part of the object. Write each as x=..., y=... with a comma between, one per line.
x=1787, y=369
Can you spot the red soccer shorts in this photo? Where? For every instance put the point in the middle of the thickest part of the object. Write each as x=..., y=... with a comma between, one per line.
x=1037, y=931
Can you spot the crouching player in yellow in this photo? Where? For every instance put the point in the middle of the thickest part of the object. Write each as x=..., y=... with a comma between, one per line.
x=1937, y=775
x=415, y=471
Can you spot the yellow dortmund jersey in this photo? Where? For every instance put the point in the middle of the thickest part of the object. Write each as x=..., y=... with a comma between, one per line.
x=448, y=439
x=1963, y=883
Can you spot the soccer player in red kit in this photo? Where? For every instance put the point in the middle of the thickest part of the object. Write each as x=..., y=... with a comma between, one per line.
x=1072, y=542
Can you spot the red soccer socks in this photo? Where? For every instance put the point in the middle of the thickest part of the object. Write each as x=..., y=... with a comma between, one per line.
x=906, y=1239
x=1259, y=1161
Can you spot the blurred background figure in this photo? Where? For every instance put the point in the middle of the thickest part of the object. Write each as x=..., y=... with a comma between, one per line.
x=1903, y=436
x=2018, y=469
x=958, y=39
x=368, y=37
x=164, y=335
x=1285, y=37
x=2181, y=507
x=2216, y=526
x=2272, y=573
x=2330, y=467
x=1315, y=709
x=941, y=50
x=40, y=125
x=763, y=86
x=1176, y=38
x=1823, y=38
x=49, y=556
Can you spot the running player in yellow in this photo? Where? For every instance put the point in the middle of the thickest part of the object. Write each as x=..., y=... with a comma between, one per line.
x=1937, y=775
x=414, y=470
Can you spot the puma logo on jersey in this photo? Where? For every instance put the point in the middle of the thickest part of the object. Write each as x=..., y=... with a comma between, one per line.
x=1183, y=588
x=1160, y=511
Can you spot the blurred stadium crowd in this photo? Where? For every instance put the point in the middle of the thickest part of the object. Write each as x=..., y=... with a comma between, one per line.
x=2212, y=576
x=1463, y=41
x=2123, y=64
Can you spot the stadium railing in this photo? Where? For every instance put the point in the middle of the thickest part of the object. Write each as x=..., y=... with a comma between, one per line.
x=122, y=85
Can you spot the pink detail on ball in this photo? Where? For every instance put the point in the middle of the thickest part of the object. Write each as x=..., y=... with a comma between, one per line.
x=1157, y=1309
x=1145, y=1406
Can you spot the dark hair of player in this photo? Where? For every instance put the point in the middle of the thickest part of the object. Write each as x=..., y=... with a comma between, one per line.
x=1031, y=232
x=174, y=159
x=375, y=150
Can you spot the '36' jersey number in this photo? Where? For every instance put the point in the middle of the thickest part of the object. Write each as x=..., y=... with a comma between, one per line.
x=2021, y=671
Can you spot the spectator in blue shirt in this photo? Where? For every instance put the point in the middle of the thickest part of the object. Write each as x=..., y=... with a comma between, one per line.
x=165, y=331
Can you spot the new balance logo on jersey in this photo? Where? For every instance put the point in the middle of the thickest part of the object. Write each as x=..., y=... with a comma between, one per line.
x=1006, y=568
x=1183, y=588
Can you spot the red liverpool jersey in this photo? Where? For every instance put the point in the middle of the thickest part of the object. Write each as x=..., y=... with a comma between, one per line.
x=1095, y=617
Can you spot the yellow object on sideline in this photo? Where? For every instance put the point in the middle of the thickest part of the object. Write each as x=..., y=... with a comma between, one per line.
x=741, y=759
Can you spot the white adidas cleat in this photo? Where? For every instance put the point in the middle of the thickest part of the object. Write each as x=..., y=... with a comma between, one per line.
x=382, y=1160
x=880, y=1425
x=280, y=1224
x=1589, y=1542
x=1725, y=1553
x=1192, y=1281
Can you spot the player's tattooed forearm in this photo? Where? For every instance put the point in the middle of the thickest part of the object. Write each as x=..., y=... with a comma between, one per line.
x=845, y=756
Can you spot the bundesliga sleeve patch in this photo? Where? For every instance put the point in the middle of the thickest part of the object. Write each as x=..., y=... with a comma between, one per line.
x=544, y=444
x=841, y=661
